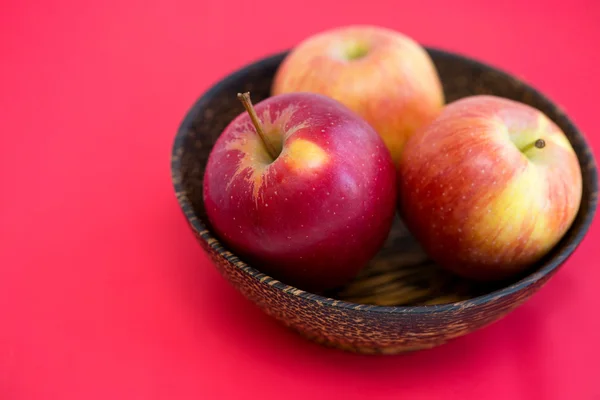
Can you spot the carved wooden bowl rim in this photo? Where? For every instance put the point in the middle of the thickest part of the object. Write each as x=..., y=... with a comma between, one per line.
x=561, y=252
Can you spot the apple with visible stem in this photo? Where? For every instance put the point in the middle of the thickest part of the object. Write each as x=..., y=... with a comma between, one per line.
x=381, y=74
x=489, y=187
x=301, y=188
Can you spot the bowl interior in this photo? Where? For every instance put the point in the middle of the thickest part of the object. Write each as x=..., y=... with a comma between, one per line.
x=401, y=273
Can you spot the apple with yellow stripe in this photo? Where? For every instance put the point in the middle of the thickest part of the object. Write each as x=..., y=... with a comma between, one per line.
x=489, y=187
x=301, y=188
x=383, y=75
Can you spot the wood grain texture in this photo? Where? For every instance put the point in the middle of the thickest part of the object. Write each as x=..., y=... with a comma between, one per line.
x=402, y=301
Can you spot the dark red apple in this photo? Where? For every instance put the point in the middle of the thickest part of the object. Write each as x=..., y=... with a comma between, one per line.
x=301, y=188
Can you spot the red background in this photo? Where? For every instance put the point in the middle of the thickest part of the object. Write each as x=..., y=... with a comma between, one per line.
x=104, y=294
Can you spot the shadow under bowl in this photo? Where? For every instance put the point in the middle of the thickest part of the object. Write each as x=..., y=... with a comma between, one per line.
x=402, y=301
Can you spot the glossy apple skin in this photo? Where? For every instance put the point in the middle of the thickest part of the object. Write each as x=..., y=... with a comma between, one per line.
x=394, y=86
x=478, y=205
x=316, y=215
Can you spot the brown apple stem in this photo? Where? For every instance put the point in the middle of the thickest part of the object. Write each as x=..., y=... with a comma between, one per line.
x=245, y=99
x=540, y=144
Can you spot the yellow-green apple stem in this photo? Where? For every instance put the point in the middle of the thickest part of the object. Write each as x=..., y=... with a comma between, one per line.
x=247, y=102
x=540, y=144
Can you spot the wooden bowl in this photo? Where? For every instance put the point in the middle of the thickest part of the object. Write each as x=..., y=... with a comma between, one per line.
x=402, y=301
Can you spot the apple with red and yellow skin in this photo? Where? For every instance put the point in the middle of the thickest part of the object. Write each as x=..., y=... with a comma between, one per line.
x=384, y=76
x=302, y=188
x=489, y=187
